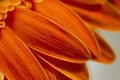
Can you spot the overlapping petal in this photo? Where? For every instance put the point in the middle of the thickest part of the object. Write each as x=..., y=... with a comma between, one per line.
x=16, y=60
x=60, y=13
x=51, y=72
x=91, y=2
x=107, y=54
x=56, y=41
x=47, y=37
x=71, y=70
x=116, y=3
x=60, y=76
x=104, y=15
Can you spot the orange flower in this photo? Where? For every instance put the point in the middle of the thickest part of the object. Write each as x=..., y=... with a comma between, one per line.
x=47, y=40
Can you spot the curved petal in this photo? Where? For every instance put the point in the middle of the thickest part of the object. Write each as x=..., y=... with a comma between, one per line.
x=71, y=70
x=90, y=2
x=105, y=16
x=60, y=76
x=107, y=55
x=46, y=37
x=60, y=13
x=16, y=60
x=51, y=72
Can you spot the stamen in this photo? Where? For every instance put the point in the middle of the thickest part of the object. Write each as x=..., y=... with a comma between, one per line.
x=11, y=8
x=2, y=24
x=3, y=9
x=10, y=5
x=15, y=2
x=26, y=5
x=4, y=15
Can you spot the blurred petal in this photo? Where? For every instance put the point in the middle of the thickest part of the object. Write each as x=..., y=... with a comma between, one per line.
x=60, y=13
x=106, y=16
x=16, y=59
x=107, y=55
x=46, y=37
x=71, y=70
x=91, y=2
x=1, y=76
x=116, y=3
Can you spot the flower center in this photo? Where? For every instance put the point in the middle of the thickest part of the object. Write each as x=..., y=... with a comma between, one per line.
x=9, y=5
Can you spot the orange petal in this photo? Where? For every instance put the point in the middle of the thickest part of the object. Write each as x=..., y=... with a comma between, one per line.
x=107, y=55
x=51, y=72
x=60, y=13
x=1, y=76
x=105, y=16
x=47, y=37
x=91, y=2
x=71, y=70
x=17, y=62
x=60, y=76
x=116, y=3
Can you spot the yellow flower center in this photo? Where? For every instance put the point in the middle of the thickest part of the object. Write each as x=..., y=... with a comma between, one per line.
x=10, y=5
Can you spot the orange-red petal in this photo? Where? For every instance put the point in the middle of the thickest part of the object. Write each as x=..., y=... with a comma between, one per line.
x=51, y=72
x=71, y=70
x=107, y=54
x=16, y=60
x=60, y=76
x=47, y=37
x=60, y=13
x=116, y=3
x=105, y=16
x=90, y=2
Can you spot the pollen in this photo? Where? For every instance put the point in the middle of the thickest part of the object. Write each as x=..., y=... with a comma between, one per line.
x=9, y=5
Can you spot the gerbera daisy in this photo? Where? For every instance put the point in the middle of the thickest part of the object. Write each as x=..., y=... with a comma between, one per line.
x=52, y=39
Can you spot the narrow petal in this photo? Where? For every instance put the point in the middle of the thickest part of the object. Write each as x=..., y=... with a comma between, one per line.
x=46, y=37
x=49, y=71
x=107, y=55
x=105, y=16
x=60, y=13
x=60, y=76
x=90, y=2
x=71, y=70
x=17, y=62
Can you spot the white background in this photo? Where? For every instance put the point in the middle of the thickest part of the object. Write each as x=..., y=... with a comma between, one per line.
x=112, y=71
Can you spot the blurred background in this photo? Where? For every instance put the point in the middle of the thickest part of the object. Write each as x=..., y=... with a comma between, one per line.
x=112, y=71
